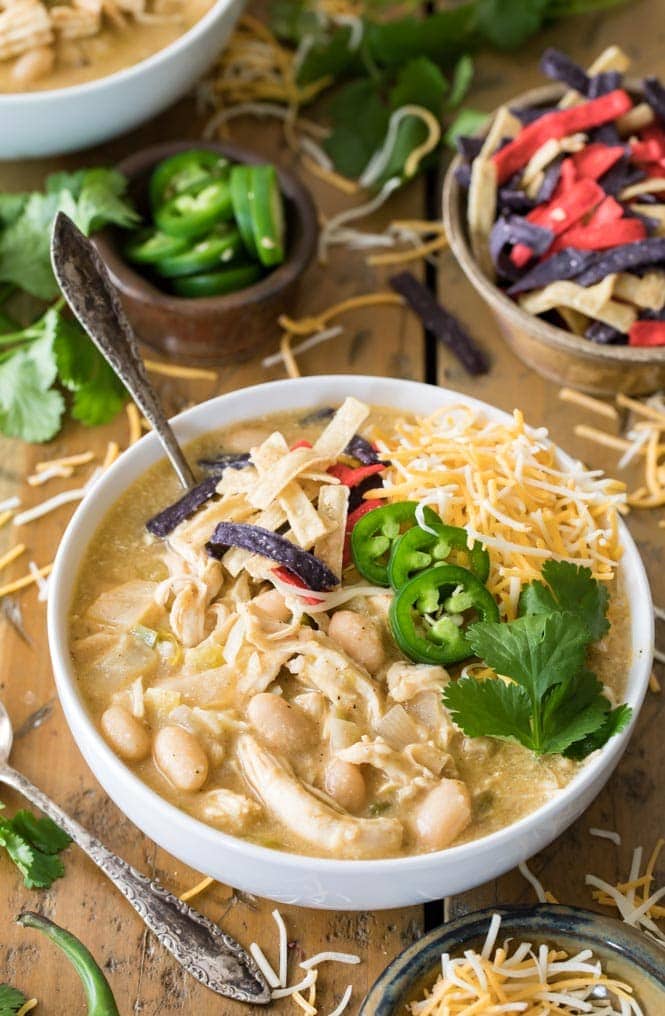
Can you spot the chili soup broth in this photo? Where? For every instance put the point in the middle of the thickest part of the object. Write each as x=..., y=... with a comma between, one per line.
x=319, y=737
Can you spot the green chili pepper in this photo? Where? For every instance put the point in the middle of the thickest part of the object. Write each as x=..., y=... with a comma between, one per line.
x=97, y=990
x=148, y=246
x=418, y=550
x=240, y=185
x=425, y=615
x=266, y=209
x=217, y=249
x=217, y=283
x=194, y=214
x=374, y=535
x=184, y=172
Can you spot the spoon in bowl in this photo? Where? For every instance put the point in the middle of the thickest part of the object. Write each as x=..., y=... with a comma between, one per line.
x=200, y=946
x=86, y=284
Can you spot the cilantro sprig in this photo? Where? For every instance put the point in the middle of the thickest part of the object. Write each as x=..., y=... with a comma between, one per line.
x=52, y=353
x=33, y=844
x=11, y=1000
x=552, y=703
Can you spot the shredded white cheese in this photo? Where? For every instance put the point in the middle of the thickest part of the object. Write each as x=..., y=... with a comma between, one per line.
x=329, y=957
x=606, y=834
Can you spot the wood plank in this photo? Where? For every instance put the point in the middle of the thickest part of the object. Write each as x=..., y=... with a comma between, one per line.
x=145, y=979
x=634, y=799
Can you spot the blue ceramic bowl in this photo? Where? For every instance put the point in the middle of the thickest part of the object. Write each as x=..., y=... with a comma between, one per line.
x=624, y=952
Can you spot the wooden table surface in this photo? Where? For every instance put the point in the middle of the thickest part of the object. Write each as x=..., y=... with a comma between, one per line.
x=384, y=341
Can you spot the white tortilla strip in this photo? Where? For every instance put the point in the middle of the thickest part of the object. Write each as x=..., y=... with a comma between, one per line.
x=653, y=186
x=548, y=152
x=649, y=291
x=237, y=481
x=594, y=301
x=611, y=59
x=578, y=323
x=481, y=211
x=655, y=211
x=504, y=125
x=302, y=516
x=635, y=119
x=269, y=486
x=347, y=420
x=333, y=507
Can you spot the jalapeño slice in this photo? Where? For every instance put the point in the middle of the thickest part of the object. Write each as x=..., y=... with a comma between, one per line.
x=374, y=535
x=418, y=550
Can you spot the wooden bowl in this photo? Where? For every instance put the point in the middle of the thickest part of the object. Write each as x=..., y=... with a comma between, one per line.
x=556, y=353
x=219, y=329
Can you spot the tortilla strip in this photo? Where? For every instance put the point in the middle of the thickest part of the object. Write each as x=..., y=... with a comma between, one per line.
x=504, y=125
x=548, y=152
x=237, y=481
x=654, y=212
x=333, y=507
x=269, y=486
x=302, y=516
x=578, y=323
x=594, y=301
x=649, y=291
x=611, y=59
x=635, y=119
x=653, y=186
x=347, y=420
x=235, y=558
x=481, y=211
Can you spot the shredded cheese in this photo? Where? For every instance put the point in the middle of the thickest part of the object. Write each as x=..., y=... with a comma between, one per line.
x=27, y=580
x=654, y=683
x=27, y=1007
x=42, y=583
x=264, y=966
x=606, y=834
x=11, y=555
x=80, y=459
x=134, y=422
x=39, y=510
x=643, y=910
x=399, y=257
x=302, y=347
x=287, y=356
x=588, y=402
x=534, y=882
x=197, y=889
x=10, y=504
x=332, y=232
x=329, y=176
x=307, y=325
x=329, y=957
x=37, y=479
x=5, y=517
x=283, y=947
x=112, y=453
x=175, y=370
x=343, y=1005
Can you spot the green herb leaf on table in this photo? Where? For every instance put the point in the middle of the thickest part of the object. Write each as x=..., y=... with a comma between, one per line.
x=33, y=845
x=11, y=1000
x=354, y=139
x=507, y=24
x=98, y=395
x=467, y=121
x=27, y=409
x=461, y=81
x=569, y=587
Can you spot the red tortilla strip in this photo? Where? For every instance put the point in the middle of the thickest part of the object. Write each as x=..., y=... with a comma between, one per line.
x=596, y=159
x=647, y=333
x=601, y=237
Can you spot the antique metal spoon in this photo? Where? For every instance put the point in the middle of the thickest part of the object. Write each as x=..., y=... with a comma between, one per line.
x=87, y=287
x=201, y=947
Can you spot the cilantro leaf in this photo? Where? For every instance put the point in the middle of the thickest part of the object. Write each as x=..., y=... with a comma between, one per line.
x=419, y=81
x=614, y=722
x=33, y=845
x=11, y=206
x=98, y=395
x=440, y=36
x=574, y=709
x=329, y=57
x=102, y=201
x=348, y=146
x=490, y=708
x=467, y=121
x=461, y=81
x=11, y=1000
x=538, y=651
x=27, y=410
x=508, y=23
x=571, y=588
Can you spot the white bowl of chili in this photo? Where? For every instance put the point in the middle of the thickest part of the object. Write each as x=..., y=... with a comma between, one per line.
x=321, y=882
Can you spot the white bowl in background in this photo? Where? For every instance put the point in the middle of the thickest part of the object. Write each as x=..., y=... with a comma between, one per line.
x=294, y=878
x=61, y=120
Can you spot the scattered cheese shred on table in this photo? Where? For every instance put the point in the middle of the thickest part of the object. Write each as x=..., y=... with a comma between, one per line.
x=588, y=402
x=11, y=555
x=80, y=459
x=528, y=980
x=606, y=834
x=176, y=370
x=504, y=483
x=26, y=580
x=197, y=889
x=636, y=903
x=27, y=1007
x=134, y=421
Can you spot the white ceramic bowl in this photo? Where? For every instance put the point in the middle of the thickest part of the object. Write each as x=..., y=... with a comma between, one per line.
x=292, y=878
x=67, y=119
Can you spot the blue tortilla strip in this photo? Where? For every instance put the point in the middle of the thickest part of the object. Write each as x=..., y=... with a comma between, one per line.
x=550, y=180
x=654, y=93
x=463, y=175
x=565, y=264
x=621, y=174
x=440, y=322
x=512, y=229
x=316, y=415
x=652, y=315
x=225, y=460
x=601, y=84
x=313, y=572
x=623, y=258
x=362, y=450
x=468, y=146
x=606, y=134
x=529, y=114
x=605, y=335
x=513, y=199
x=356, y=494
x=167, y=520
x=556, y=65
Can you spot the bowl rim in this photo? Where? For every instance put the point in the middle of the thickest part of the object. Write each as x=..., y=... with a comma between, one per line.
x=81, y=723
x=618, y=937
x=137, y=287
x=183, y=41
x=454, y=201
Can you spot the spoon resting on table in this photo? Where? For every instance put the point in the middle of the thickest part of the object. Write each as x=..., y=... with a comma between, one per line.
x=87, y=287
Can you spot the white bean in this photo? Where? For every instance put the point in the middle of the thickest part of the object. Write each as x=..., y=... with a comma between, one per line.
x=346, y=784
x=359, y=638
x=273, y=604
x=180, y=758
x=34, y=64
x=442, y=815
x=280, y=724
x=126, y=735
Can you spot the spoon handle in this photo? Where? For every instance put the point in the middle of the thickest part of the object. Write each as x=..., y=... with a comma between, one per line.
x=200, y=946
x=87, y=286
